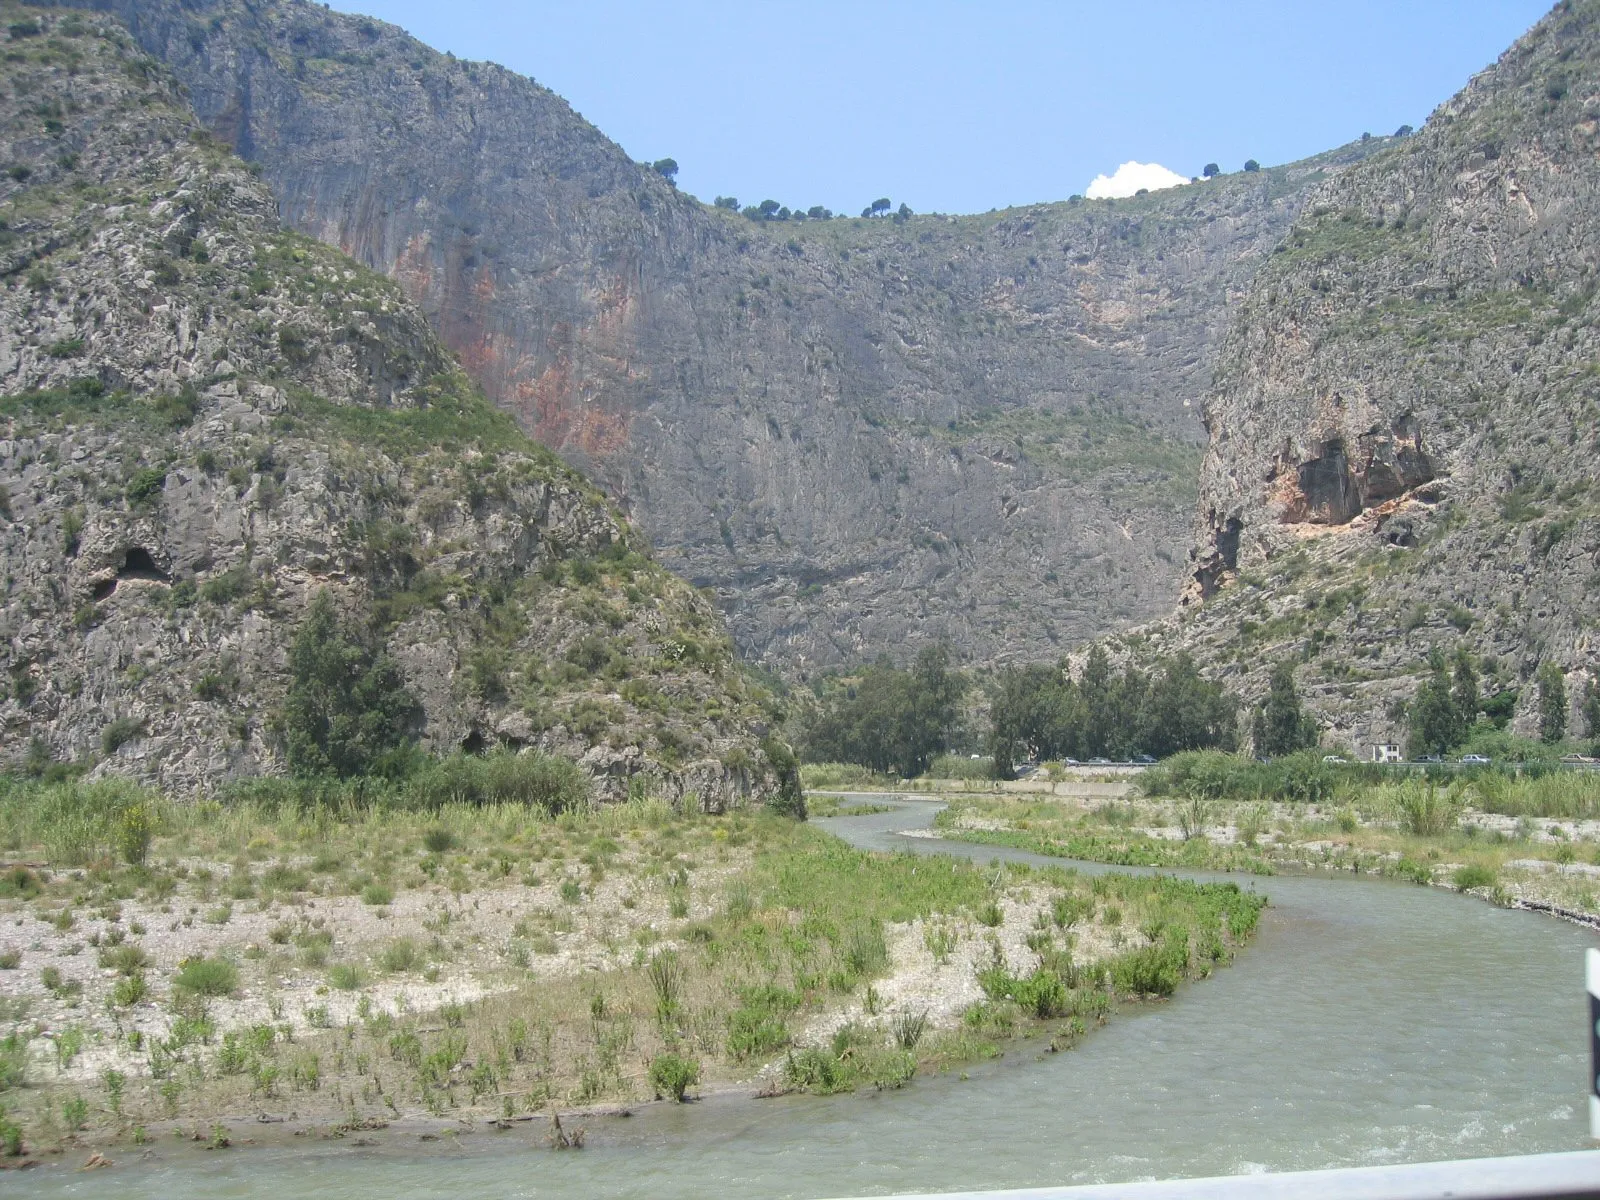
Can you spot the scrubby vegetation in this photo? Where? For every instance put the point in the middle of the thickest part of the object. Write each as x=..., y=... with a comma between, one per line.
x=453, y=943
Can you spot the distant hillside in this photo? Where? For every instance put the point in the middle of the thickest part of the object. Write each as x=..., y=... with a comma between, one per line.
x=863, y=435
x=205, y=421
x=1406, y=420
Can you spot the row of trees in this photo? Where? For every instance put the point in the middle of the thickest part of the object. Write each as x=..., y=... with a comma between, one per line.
x=893, y=721
x=1450, y=707
x=771, y=210
x=1041, y=713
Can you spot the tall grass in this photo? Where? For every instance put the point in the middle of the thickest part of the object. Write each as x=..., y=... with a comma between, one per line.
x=555, y=784
x=842, y=775
x=78, y=822
x=956, y=766
x=1574, y=795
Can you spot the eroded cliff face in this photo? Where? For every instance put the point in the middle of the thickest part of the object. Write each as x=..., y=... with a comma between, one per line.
x=205, y=420
x=1404, y=424
x=862, y=435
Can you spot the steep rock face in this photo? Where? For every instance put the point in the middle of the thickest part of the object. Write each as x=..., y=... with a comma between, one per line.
x=862, y=434
x=1403, y=430
x=205, y=420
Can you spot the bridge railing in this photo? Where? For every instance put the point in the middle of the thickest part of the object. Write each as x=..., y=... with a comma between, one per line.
x=1568, y=1176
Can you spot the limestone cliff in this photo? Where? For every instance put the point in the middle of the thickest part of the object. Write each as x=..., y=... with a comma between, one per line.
x=1404, y=424
x=205, y=419
x=863, y=435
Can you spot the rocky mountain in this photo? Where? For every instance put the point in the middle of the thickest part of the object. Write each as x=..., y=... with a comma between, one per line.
x=862, y=434
x=1406, y=418
x=206, y=420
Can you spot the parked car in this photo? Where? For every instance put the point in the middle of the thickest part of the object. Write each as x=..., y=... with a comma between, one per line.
x=1144, y=760
x=1332, y=758
x=1475, y=760
x=1070, y=762
x=1099, y=762
x=1430, y=758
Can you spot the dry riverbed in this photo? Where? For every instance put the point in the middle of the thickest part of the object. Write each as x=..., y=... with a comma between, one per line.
x=269, y=974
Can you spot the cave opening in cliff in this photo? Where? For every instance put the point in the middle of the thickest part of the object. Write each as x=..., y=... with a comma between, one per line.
x=139, y=564
x=1328, y=490
x=474, y=743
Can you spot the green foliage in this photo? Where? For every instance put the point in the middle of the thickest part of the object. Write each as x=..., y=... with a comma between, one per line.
x=145, y=484
x=1552, y=703
x=672, y=1075
x=13, y=1061
x=76, y=822
x=1437, y=723
x=133, y=829
x=759, y=1025
x=128, y=991
x=377, y=895
x=1473, y=876
x=544, y=781
x=895, y=720
x=1427, y=810
x=118, y=733
x=1043, y=713
x=790, y=798
x=347, y=710
x=1212, y=776
x=235, y=583
x=207, y=977
x=1282, y=726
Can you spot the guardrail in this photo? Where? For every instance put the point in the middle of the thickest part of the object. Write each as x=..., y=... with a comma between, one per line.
x=1528, y=1177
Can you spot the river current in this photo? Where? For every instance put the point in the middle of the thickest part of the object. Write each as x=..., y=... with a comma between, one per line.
x=1370, y=1022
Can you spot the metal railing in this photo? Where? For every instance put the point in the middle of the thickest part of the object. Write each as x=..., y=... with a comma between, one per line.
x=1527, y=1177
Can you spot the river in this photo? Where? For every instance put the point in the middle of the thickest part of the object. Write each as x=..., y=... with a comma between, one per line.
x=1370, y=1022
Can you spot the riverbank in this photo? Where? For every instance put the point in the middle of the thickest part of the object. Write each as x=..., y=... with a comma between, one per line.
x=266, y=974
x=1546, y=864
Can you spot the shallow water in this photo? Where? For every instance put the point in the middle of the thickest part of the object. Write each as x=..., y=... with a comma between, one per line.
x=1370, y=1022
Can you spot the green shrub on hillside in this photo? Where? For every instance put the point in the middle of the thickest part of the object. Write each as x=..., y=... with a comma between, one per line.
x=347, y=710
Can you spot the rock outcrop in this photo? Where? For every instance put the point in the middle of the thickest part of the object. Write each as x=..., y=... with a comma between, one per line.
x=861, y=434
x=1404, y=425
x=205, y=420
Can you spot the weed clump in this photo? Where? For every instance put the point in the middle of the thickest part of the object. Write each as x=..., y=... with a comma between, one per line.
x=209, y=977
x=672, y=1075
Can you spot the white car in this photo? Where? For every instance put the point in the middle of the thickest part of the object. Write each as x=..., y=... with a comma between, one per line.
x=1475, y=760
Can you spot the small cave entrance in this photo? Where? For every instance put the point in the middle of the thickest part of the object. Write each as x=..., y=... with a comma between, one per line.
x=1224, y=556
x=1328, y=490
x=139, y=564
x=475, y=743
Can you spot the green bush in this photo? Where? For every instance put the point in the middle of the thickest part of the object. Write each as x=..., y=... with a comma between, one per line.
x=119, y=733
x=377, y=894
x=438, y=840
x=1151, y=970
x=75, y=822
x=13, y=1061
x=145, y=484
x=128, y=991
x=672, y=1075
x=958, y=766
x=347, y=709
x=207, y=977
x=400, y=955
x=347, y=977
x=1473, y=876
x=235, y=583
x=544, y=781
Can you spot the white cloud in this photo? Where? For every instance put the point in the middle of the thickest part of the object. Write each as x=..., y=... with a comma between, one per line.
x=1130, y=177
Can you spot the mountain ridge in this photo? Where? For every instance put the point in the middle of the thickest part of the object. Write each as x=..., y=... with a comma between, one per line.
x=862, y=435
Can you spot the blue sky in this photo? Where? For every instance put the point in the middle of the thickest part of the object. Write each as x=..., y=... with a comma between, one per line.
x=961, y=106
